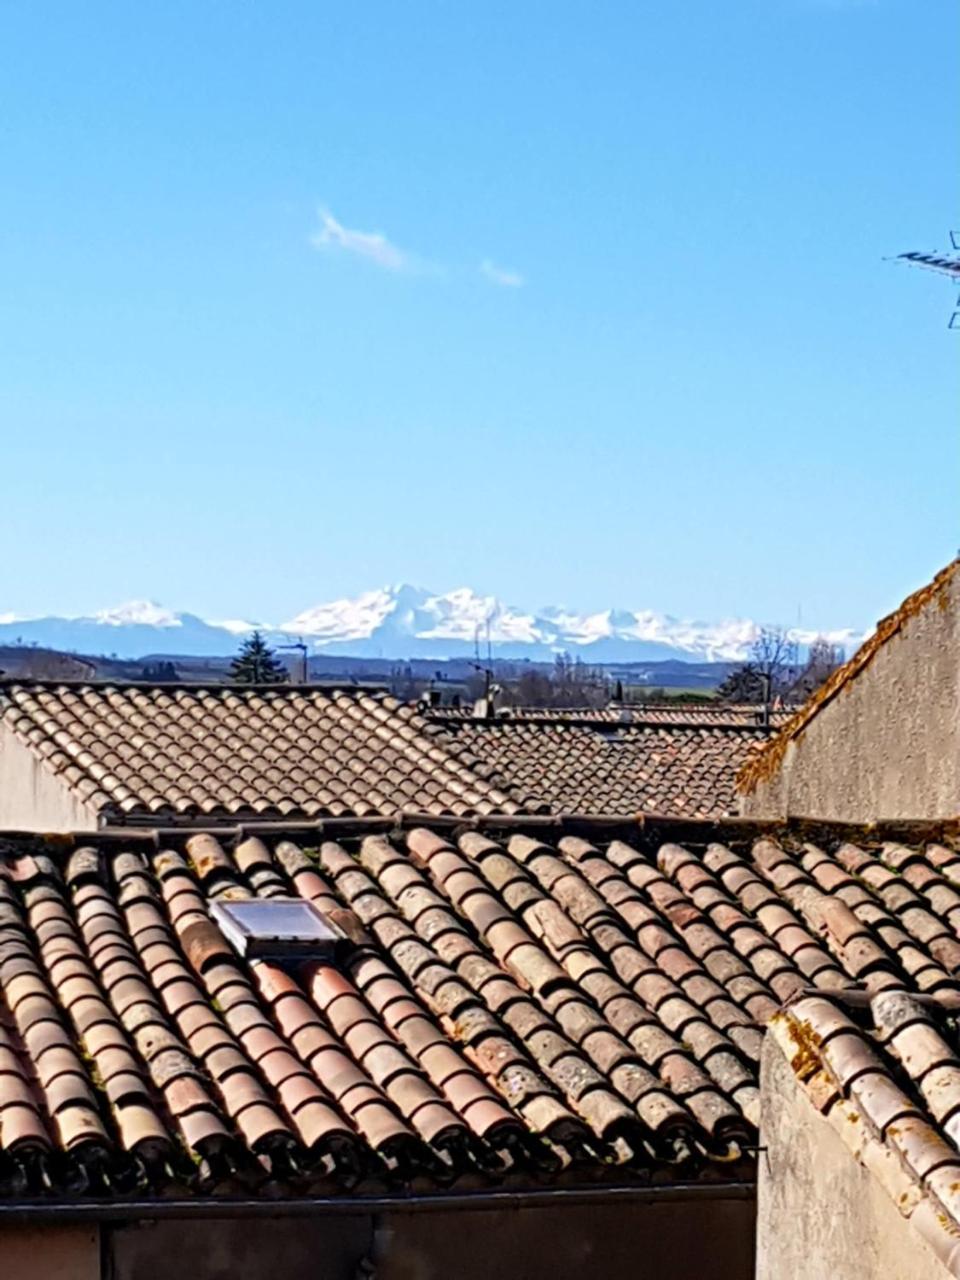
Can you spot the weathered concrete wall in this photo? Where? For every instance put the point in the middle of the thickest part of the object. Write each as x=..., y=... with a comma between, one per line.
x=31, y=797
x=50, y=1253
x=820, y=1213
x=712, y=1239
x=888, y=744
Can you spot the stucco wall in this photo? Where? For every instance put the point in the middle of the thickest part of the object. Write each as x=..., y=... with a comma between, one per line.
x=674, y=1240
x=888, y=744
x=49, y=1252
x=31, y=797
x=820, y=1213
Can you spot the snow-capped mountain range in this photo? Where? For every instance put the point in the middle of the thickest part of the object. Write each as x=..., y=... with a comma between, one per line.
x=407, y=622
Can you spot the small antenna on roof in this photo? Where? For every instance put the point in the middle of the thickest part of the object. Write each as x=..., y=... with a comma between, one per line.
x=302, y=649
x=943, y=264
x=483, y=708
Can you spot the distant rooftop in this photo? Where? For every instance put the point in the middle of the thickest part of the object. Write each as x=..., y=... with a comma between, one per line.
x=744, y=714
x=155, y=753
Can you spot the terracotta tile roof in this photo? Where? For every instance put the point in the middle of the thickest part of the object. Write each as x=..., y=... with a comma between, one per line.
x=611, y=768
x=520, y=1008
x=138, y=751
x=719, y=713
x=765, y=763
x=888, y=1080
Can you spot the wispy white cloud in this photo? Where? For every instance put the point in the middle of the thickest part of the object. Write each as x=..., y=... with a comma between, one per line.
x=333, y=236
x=501, y=276
x=373, y=245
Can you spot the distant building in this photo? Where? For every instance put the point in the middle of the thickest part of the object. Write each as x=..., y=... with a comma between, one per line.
x=77, y=757
x=881, y=738
x=620, y=761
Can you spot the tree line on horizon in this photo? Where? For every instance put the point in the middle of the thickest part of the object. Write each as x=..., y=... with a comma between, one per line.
x=773, y=671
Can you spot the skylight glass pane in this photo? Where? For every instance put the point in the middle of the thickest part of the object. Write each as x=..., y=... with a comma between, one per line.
x=286, y=922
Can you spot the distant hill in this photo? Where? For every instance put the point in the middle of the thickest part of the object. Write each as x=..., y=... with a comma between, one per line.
x=35, y=663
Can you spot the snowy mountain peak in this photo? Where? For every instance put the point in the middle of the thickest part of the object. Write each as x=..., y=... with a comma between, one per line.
x=405, y=621
x=408, y=621
x=354, y=618
x=138, y=613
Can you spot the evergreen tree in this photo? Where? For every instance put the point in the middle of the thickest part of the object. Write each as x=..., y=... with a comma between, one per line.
x=256, y=663
x=744, y=684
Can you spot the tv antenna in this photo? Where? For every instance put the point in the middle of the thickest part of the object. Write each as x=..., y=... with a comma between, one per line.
x=490, y=689
x=302, y=650
x=945, y=264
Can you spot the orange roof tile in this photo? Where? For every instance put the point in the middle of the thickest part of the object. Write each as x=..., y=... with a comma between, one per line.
x=529, y=1007
x=165, y=754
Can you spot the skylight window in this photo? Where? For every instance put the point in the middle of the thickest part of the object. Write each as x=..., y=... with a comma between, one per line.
x=277, y=929
x=611, y=733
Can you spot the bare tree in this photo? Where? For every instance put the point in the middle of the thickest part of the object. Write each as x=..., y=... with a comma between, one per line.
x=770, y=671
x=775, y=658
x=570, y=682
x=823, y=658
x=575, y=684
x=533, y=689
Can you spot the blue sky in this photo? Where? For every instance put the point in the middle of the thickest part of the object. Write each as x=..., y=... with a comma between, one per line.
x=572, y=303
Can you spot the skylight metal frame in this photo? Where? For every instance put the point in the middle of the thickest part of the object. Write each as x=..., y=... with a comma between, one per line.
x=278, y=929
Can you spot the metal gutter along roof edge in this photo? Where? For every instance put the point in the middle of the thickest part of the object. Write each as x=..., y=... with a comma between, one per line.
x=439, y=1202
